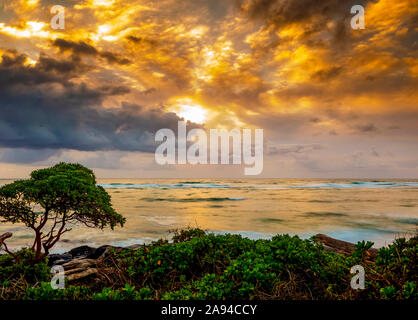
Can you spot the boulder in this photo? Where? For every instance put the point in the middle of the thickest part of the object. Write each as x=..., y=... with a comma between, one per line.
x=58, y=259
x=82, y=252
x=101, y=251
x=82, y=274
x=79, y=264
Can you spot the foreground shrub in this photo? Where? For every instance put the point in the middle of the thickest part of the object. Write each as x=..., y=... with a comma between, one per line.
x=20, y=268
x=393, y=275
x=196, y=265
x=45, y=292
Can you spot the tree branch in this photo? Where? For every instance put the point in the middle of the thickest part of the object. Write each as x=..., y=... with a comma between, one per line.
x=3, y=237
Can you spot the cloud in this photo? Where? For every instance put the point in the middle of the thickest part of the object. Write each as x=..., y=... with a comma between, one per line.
x=370, y=127
x=42, y=108
x=327, y=74
x=294, y=68
x=83, y=48
x=15, y=71
x=293, y=150
x=314, y=15
x=19, y=155
x=79, y=47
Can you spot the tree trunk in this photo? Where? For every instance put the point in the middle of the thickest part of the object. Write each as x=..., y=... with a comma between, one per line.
x=38, y=246
x=4, y=237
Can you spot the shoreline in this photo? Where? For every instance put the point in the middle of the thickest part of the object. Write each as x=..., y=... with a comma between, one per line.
x=348, y=235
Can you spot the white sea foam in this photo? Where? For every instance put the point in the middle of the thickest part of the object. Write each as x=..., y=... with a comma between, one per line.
x=356, y=184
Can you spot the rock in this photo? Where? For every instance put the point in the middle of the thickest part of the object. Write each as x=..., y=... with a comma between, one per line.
x=82, y=252
x=83, y=274
x=79, y=264
x=75, y=270
x=101, y=251
x=58, y=259
x=340, y=246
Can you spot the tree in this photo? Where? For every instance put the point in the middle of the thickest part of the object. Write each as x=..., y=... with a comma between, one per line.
x=55, y=199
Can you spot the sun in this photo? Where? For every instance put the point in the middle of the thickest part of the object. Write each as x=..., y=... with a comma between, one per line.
x=190, y=111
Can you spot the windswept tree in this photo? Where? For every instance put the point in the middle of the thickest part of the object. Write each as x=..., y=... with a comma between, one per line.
x=54, y=200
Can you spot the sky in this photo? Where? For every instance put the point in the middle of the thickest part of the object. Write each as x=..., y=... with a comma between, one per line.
x=333, y=102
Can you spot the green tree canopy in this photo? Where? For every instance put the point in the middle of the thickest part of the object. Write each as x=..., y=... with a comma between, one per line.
x=55, y=199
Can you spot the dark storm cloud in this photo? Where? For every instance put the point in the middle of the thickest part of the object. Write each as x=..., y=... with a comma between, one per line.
x=18, y=155
x=314, y=15
x=114, y=58
x=47, y=64
x=142, y=41
x=83, y=48
x=79, y=47
x=327, y=74
x=283, y=12
x=42, y=108
x=14, y=73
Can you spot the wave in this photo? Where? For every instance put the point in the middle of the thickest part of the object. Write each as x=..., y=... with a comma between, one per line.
x=413, y=221
x=163, y=186
x=355, y=184
x=253, y=235
x=192, y=199
x=273, y=186
x=324, y=214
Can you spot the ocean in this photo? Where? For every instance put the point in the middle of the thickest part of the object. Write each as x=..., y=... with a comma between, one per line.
x=351, y=210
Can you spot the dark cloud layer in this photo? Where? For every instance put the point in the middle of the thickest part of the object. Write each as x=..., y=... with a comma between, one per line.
x=315, y=14
x=41, y=108
x=23, y=155
x=83, y=48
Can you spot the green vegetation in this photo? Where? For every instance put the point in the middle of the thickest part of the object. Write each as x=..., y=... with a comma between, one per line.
x=53, y=199
x=197, y=265
x=18, y=268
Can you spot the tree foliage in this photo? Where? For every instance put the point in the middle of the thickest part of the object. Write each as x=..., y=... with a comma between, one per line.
x=55, y=199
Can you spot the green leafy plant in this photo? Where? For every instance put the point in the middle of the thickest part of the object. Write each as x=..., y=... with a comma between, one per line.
x=20, y=267
x=207, y=266
x=54, y=198
x=45, y=292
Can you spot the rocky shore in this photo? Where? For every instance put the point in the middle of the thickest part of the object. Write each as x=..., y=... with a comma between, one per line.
x=84, y=261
